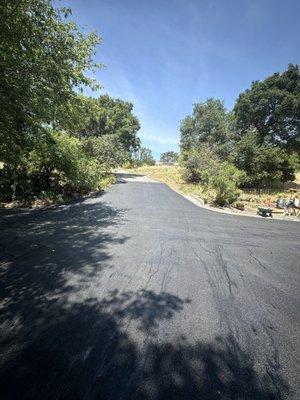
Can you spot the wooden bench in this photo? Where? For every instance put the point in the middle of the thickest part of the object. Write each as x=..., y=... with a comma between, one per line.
x=265, y=211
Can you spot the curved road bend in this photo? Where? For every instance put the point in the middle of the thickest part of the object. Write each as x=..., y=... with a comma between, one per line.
x=140, y=294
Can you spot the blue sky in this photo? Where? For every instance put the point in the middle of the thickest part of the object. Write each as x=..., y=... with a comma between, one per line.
x=165, y=55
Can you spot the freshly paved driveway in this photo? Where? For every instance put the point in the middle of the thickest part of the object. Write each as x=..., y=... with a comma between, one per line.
x=140, y=294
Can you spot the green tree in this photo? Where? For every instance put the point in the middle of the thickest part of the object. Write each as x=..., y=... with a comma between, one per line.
x=226, y=182
x=52, y=138
x=203, y=166
x=264, y=164
x=44, y=57
x=144, y=157
x=169, y=157
x=199, y=164
x=107, y=150
x=107, y=116
x=77, y=115
x=272, y=107
x=56, y=165
x=209, y=123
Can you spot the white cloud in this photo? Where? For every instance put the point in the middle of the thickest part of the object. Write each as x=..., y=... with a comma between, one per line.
x=158, y=139
x=154, y=133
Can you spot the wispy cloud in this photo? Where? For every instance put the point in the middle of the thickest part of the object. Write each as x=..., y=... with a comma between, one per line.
x=159, y=139
x=154, y=133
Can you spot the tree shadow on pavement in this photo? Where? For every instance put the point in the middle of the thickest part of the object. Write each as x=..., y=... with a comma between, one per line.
x=145, y=306
x=54, y=348
x=83, y=352
x=47, y=254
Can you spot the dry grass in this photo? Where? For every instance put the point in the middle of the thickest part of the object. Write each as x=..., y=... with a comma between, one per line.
x=172, y=176
x=169, y=174
x=252, y=200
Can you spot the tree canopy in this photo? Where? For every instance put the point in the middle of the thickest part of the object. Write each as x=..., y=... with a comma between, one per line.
x=53, y=139
x=109, y=116
x=260, y=137
x=272, y=107
x=209, y=123
x=144, y=156
x=44, y=58
x=264, y=164
x=169, y=157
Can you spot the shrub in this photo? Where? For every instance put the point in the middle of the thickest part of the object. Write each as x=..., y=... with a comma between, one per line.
x=108, y=151
x=226, y=183
x=57, y=164
x=64, y=157
x=203, y=166
x=16, y=183
x=226, y=191
x=239, y=205
x=199, y=164
x=265, y=165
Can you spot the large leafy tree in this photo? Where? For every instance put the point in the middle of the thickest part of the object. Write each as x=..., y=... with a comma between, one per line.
x=144, y=156
x=272, y=107
x=210, y=123
x=169, y=156
x=107, y=150
x=109, y=116
x=264, y=164
x=44, y=57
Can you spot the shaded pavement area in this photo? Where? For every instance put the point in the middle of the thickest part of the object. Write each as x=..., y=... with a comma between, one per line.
x=140, y=294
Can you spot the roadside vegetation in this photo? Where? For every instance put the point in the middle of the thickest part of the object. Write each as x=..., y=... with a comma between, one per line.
x=248, y=198
x=249, y=155
x=55, y=142
x=143, y=156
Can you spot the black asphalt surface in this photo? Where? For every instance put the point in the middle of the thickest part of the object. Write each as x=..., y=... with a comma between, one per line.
x=140, y=294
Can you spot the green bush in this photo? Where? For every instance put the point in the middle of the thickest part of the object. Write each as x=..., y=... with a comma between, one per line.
x=17, y=183
x=203, y=166
x=226, y=183
x=64, y=157
x=107, y=150
x=57, y=164
x=199, y=164
x=265, y=165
